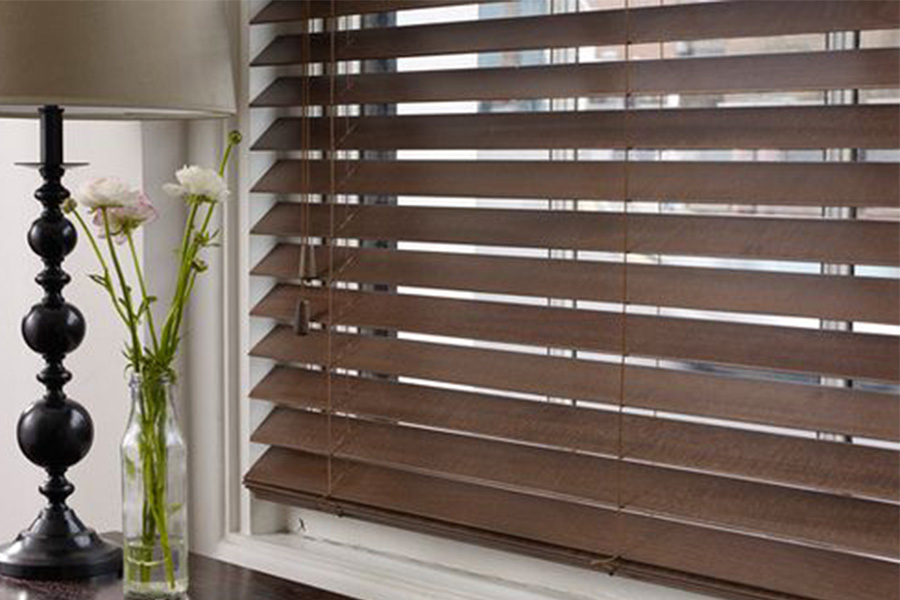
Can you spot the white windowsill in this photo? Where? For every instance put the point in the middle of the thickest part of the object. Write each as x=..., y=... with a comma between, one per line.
x=375, y=562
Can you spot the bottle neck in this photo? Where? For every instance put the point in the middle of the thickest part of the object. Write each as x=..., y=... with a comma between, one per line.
x=151, y=398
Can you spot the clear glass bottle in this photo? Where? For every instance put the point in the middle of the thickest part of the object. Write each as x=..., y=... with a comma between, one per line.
x=154, y=495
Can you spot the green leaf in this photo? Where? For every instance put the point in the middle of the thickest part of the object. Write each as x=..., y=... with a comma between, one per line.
x=130, y=468
x=98, y=279
x=174, y=508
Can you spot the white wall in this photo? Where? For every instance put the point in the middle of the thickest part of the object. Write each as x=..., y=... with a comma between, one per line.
x=99, y=382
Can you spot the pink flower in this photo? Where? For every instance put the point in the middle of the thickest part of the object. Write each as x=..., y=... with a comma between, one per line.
x=123, y=220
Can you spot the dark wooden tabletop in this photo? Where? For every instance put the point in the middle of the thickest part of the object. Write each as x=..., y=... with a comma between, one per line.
x=210, y=580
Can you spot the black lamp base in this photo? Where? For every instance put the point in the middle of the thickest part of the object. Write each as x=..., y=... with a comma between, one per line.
x=58, y=546
x=55, y=432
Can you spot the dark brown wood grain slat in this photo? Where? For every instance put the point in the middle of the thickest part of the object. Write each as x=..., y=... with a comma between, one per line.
x=815, y=240
x=300, y=478
x=821, y=296
x=811, y=407
x=279, y=11
x=772, y=127
x=591, y=28
x=762, y=183
x=816, y=351
x=875, y=68
x=802, y=462
x=824, y=520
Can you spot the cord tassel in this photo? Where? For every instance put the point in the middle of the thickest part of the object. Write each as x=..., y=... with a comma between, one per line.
x=302, y=317
x=307, y=268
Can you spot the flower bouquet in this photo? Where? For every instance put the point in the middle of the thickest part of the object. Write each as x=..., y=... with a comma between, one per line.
x=154, y=458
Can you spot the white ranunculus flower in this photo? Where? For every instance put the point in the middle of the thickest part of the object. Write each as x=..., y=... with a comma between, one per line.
x=198, y=182
x=107, y=192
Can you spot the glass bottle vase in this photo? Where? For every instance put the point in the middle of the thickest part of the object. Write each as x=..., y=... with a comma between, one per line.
x=154, y=498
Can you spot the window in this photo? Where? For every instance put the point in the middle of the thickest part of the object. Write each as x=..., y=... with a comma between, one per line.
x=614, y=284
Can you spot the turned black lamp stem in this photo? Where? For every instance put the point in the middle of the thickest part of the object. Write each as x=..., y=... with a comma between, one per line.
x=55, y=432
x=53, y=328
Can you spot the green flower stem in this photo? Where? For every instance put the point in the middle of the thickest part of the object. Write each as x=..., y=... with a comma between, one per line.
x=135, y=353
x=91, y=239
x=234, y=138
x=189, y=271
x=225, y=157
x=191, y=245
x=107, y=286
x=152, y=431
x=145, y=298
x=148, y=522
x=154, y=450
x=169, y=340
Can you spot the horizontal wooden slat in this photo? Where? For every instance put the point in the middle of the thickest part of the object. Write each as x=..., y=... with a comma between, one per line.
x=877, y=68
x=779, y=348
x=782, y=127
x=765, y=183
x=279, y=11
x=811, y=407
x=865, y=242
x=831, y=297
x=827, y=466
x=592, y=28
x=758, y=562
x=793, y=515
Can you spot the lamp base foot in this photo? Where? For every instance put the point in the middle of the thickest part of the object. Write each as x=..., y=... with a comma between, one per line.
x=58, y=546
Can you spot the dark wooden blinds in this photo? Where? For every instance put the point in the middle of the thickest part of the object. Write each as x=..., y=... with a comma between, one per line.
x=611, y=283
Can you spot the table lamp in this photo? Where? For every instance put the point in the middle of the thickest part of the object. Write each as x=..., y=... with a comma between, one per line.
x=95, y=59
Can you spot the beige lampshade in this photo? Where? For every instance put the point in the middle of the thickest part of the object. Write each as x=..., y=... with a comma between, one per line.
x=105, y=59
